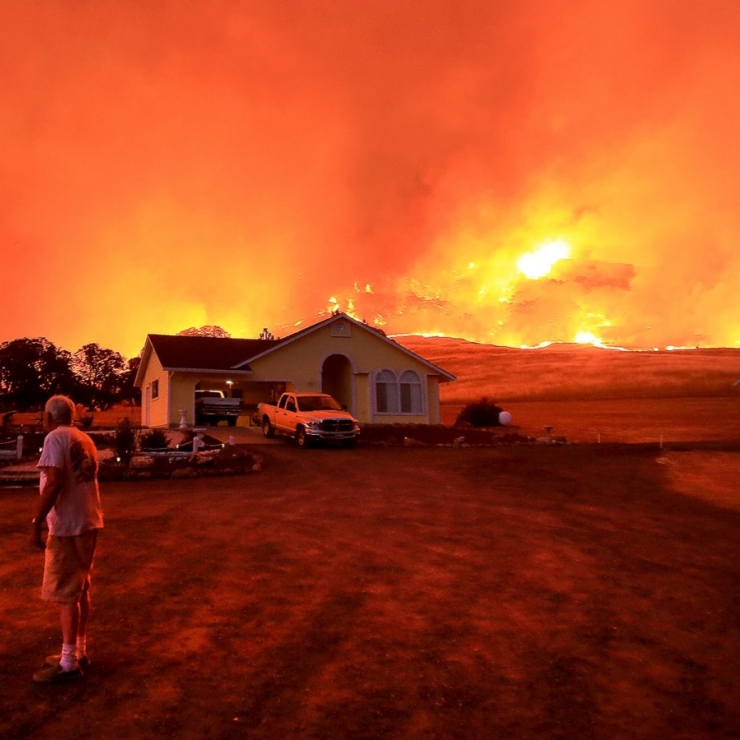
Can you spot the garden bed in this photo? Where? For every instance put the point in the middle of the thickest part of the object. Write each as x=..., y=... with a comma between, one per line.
x=227, y=460
x=176, y=461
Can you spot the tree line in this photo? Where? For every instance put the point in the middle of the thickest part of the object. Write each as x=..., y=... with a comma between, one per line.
x=31, y=370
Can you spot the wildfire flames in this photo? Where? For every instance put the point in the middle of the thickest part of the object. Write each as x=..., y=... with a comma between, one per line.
x=510, y=172
x=516, y=302
x=539, y=263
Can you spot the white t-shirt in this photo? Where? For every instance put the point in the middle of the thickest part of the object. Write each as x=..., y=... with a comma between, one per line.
x=77, y=508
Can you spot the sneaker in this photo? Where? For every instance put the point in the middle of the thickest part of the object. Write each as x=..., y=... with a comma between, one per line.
x=53, y=660
x=55, y=674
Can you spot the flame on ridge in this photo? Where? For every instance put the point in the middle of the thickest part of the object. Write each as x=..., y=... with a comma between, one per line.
x=586, y=337
x=539, y=263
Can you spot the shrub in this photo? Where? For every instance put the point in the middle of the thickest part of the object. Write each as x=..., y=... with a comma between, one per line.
x=482, y=413
x=32, y=443
x=125, y=441
x=105, y=441
x=154, y=439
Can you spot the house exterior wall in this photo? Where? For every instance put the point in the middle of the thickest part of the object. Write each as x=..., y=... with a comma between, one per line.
x=158, y=407
x=183, y=397
x=300, y=364
x=362, y=396
x=433, y=396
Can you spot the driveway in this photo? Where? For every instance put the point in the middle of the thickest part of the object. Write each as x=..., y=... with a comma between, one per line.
x=548, y=592
x=242, y=435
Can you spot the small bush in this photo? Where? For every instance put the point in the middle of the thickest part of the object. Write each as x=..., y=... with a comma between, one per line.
x=125, y=441
x=104, y=441
x=483, y=413
x=32, y=443
x=154, y=439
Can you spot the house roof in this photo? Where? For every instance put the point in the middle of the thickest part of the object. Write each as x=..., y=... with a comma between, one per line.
x=206, y=353
x=218, y=354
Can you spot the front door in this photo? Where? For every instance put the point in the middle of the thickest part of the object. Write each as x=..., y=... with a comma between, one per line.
x=336, y=380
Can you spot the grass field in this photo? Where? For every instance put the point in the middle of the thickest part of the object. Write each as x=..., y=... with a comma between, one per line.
x=574, y=372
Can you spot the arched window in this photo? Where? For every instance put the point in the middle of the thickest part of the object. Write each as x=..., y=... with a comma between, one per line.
x=410, y=393
x=386, y=393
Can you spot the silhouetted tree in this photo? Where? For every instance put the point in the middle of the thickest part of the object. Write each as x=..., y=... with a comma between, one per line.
x=100, y=374
x=205, y=331
x=128, y=391
x=31, y=370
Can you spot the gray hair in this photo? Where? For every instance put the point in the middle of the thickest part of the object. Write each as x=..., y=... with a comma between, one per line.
x=61, y=409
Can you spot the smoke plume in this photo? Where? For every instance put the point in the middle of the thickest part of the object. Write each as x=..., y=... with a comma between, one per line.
x=241, y=164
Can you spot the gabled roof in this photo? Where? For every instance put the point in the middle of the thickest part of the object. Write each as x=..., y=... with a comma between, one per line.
x=444, y=375
x=218, y=354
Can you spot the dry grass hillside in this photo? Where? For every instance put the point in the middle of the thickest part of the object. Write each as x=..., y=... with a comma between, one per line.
x=568, y=371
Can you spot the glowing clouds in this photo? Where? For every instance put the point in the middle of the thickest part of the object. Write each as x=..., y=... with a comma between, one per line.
x=536, y=265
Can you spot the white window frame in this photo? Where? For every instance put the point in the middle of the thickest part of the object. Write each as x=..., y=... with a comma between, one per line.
x=413, y=380
x=392, y=401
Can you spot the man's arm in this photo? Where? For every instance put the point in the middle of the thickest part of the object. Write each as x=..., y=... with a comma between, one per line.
x=52, y=489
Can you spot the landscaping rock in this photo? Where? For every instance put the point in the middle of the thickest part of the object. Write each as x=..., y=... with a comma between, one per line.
x=143, y=461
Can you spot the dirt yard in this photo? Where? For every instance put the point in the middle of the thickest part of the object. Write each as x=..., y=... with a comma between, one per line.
x=520, y=592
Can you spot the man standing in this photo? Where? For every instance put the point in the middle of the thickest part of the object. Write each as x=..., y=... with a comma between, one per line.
x=70, y=504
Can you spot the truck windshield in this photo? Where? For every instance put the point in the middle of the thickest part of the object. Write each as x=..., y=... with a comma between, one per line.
x=318, y=403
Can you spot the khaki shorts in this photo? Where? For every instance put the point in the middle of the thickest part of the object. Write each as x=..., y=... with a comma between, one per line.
x=67, y=565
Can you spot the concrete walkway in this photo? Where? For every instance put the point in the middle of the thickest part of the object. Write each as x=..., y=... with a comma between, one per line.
x=242, y=435
x=25, y=472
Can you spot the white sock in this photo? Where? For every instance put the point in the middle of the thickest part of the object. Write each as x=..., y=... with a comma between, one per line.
x=81, y=647
x=69, y=659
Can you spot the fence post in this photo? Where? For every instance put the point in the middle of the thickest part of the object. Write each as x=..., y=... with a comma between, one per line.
x=19, y=447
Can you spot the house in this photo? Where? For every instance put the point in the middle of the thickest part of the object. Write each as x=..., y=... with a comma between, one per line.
x=373, y=377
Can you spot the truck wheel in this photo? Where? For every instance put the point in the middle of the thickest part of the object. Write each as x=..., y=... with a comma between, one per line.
x=267, y=429
x=300, y=437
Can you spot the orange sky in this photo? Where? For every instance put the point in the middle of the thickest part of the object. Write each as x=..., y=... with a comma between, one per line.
x=171, y=164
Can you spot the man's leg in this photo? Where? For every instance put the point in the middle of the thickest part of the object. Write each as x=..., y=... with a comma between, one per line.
x=62, y=582
x=70, y=618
